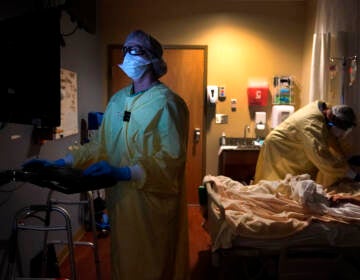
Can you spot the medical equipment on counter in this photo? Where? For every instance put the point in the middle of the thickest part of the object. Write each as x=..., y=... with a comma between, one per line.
x=280, y=113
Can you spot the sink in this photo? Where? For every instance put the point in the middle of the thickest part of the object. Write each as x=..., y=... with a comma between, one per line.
x=247, y=147
x=245, y=144
x=239, y=144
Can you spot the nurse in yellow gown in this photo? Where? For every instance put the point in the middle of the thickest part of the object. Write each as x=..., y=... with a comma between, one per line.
x=142, y=142
x=304, y=143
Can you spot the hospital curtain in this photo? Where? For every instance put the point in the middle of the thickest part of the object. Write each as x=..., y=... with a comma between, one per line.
x=319, y=67
x=335, y=41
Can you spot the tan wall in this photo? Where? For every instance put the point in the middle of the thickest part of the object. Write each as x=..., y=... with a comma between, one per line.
x=309, y=31
x=244, y=39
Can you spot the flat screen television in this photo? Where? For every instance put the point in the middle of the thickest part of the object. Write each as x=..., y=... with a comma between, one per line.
x=30, y=69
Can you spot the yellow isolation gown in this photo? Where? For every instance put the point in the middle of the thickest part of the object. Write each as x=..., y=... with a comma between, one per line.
x=302, y=144
x=148, y=218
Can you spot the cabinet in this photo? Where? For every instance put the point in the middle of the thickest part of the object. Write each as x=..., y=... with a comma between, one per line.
x=239, y=165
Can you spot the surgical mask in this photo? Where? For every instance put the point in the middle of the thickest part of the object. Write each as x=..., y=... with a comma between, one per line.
x=134, y=66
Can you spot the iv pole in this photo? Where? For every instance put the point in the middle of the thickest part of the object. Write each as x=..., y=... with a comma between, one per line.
x=353, y=60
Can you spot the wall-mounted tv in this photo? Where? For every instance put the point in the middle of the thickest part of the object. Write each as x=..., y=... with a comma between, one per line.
x=30, y=69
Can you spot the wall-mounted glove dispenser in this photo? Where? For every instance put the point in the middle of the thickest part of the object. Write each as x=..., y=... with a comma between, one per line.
x=283, y=86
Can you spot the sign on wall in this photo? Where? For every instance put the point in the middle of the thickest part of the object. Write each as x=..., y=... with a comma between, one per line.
x=69, y=104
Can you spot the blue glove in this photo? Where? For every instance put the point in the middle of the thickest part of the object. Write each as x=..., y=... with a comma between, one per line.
x=104, y=168
x=354, y=160
x=34, y=164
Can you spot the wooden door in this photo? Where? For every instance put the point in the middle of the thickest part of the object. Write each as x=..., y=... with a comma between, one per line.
x=187, y=77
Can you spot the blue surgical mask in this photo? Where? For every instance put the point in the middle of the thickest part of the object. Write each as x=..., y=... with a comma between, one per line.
x=134, y=66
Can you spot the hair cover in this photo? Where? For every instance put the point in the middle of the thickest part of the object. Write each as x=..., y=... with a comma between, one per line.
x=152, y=47
x=345, y=114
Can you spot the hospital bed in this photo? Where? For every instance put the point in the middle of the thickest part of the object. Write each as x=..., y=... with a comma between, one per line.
x=314, y=238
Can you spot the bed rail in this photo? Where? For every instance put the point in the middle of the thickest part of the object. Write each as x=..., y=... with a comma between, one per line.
x=213, y=199
x=309, y=254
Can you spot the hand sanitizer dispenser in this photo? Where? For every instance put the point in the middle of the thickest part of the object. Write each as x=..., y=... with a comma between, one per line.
x=260, y=120
x=212, y=93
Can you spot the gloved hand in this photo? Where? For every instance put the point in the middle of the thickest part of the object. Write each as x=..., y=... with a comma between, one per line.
x=104, y=168
x=354, y=160
x=38, y=163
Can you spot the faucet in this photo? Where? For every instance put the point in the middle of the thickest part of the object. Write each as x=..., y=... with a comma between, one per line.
x=246, y=129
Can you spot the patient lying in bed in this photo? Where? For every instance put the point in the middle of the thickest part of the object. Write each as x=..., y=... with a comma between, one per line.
x=277, y=209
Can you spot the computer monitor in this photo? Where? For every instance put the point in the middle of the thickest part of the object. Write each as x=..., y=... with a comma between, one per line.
x=30, y=90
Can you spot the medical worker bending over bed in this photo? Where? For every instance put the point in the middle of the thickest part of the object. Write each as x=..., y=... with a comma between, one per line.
x=309, y=141
x=142, y=143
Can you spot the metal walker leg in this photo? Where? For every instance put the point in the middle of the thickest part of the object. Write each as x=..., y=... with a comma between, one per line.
x=94, y=244
x=20, y=224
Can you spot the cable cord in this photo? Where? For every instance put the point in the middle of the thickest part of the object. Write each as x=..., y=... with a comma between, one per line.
x=71, y=32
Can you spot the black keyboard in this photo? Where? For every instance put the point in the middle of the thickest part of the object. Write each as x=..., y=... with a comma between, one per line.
x=63, y=179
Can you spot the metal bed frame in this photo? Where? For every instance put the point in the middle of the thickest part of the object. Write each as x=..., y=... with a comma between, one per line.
x=279, y=261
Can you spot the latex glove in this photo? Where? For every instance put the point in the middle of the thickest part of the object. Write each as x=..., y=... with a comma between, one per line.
x=354, y=160
x=104, y=168
x=34, y=164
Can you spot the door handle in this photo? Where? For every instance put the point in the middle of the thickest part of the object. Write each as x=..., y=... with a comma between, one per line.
x=197, y=135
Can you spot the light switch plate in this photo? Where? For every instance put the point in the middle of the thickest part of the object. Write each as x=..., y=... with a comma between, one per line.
x=221, y=118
